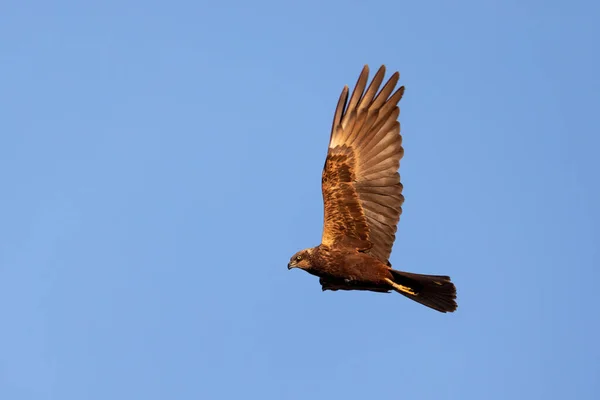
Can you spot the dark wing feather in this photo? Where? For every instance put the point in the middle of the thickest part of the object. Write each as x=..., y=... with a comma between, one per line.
x=361, y=186
x=334, y=285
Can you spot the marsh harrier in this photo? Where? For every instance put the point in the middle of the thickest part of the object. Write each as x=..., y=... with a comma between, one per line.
x=363, y=200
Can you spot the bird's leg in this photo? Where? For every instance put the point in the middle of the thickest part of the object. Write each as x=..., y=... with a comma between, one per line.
x=401, y=288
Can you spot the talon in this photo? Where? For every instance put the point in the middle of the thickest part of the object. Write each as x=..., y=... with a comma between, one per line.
x=401, y=288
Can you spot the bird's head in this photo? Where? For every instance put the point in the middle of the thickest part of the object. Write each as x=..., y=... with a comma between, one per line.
x=301, y=259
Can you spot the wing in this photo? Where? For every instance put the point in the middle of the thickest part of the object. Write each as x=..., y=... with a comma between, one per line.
x=362, y=193
x=334, y=285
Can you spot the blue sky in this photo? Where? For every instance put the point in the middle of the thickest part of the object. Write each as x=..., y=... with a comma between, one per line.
x=160, y=162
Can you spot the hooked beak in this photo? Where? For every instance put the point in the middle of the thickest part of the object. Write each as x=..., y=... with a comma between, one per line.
x=291, y=265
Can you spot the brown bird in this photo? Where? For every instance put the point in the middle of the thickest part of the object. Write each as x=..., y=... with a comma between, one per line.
x=363, y=200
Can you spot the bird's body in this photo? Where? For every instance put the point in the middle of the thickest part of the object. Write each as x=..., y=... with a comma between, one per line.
x=343, y=269
x=363, y=200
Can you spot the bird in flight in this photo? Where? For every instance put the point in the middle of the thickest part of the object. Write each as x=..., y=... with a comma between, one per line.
x=362, y=195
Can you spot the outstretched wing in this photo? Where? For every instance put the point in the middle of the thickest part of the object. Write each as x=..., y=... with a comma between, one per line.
x=361, y=186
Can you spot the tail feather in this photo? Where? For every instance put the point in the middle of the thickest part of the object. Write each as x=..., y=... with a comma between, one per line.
x=434, y=291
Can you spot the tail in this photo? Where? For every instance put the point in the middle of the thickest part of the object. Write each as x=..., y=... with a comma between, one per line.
x=433, y=291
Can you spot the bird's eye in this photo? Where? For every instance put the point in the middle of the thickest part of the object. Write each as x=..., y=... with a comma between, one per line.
x=298, y=258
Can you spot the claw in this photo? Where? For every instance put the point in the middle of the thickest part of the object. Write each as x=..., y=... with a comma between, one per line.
x=401, y=288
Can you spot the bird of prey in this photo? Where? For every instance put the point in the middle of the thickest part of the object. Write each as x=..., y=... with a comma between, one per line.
x=363, y=200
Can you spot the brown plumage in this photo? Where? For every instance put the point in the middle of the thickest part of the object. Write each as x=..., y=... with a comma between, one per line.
x=363, y=200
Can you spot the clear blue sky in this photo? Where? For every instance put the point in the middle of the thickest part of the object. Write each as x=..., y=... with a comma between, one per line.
x=160, y=162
